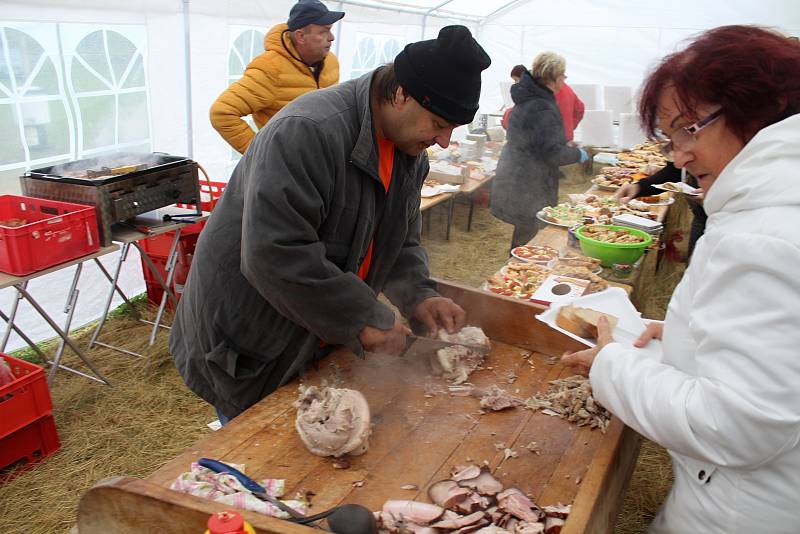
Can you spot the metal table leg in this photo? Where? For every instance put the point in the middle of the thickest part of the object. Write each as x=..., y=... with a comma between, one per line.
x=24, y=336
x=156, y=274
x=10, y=320
x=92, y=342
x=170, y=270
x=117, y=288
x=61, y=333
x=471, y=209
x=69, y=309
x=451, y=204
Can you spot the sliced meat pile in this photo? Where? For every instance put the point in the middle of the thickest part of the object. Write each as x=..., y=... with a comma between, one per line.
x=456, y=363
x=472, y=500
x=571, y=399
x=333, y=422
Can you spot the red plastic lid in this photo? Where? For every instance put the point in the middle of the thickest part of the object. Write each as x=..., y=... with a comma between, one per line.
x=226, y=523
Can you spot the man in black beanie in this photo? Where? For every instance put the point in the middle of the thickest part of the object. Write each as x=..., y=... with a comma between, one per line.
x=319, y=217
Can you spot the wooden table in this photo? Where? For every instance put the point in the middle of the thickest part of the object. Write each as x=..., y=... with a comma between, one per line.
x=146, y=225
x=415, y=440
x=468, y=189
x=429, y=202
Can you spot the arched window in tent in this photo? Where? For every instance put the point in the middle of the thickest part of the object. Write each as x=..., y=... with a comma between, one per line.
x=35, y=123
x=248, y=44
x=109, y=91
x=373, y=50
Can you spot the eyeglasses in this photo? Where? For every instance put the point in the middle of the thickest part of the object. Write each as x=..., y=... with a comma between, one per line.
x=685, y=138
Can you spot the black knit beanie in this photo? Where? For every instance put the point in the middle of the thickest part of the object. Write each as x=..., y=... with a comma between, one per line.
x=444, y=74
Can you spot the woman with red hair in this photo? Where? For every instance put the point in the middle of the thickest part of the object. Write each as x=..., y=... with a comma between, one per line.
x=722, y=392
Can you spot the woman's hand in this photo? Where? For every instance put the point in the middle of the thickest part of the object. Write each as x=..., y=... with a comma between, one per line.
x=627, y=192
x=581, y=362
x=653, y=331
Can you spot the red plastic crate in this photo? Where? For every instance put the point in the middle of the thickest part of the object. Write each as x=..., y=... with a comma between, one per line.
x=54, y=232
x=27, y=446
x=154, y=289
x=209, y=195
x=158, y=246
x=24, y=400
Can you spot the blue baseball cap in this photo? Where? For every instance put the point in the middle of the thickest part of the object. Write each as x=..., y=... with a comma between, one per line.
x=307, y=12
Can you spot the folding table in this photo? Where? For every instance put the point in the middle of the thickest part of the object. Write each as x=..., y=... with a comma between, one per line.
x=20, y=283
x=147, y=225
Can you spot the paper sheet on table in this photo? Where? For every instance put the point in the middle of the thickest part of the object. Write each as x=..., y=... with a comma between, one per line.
x=606, y=158
x=614, y=301
x=432, y=191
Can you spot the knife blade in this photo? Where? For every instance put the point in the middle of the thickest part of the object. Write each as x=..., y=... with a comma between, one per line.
x=428, y=345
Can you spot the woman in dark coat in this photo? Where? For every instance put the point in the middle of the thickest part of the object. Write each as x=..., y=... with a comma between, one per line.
x=527, y=174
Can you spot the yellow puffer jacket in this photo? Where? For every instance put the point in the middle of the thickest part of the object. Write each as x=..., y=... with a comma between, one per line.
x=270, y=81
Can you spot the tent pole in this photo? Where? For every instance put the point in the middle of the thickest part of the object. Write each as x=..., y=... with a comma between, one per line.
x=513, y=4
x=188, y=80
x=431, y=10
x=338, y=30
x=389, y=6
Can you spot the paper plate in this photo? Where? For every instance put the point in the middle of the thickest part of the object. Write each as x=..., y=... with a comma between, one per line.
x=528, y=260
x=684, y=188
x=540, y=216
x=614, y=301
x=666, y=202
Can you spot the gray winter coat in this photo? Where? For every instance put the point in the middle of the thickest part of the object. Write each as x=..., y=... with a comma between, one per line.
x=273, y=273
x=526, y=179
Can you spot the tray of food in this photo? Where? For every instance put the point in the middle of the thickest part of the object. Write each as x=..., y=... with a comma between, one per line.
x=678, y=187
x=535, y=253
x=517, y=279
x=611, y=183
x=589, y=209
x=644, y=203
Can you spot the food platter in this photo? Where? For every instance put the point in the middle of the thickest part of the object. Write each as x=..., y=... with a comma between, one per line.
x=540, y=215
x=540, y=254
x=678, y=187
x=606, y=187
x=638, y=204
x=586, y=209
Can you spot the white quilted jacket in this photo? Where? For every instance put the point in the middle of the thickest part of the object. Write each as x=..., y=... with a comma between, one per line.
x=724, y=398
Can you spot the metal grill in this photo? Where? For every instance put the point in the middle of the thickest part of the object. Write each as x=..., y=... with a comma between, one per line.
x=120, y=187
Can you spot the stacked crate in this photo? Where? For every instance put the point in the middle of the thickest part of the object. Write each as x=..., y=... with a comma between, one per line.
x=157, y=247
x=27, y=430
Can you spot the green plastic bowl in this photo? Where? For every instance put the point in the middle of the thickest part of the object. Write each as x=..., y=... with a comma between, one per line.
x=611, y=253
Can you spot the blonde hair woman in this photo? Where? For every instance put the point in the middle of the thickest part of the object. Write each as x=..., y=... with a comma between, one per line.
x=549, y=69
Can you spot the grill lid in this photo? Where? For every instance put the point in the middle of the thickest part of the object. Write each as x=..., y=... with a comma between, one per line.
x=108, y=169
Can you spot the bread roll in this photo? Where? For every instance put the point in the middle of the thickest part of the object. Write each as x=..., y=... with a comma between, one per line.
x=582, y=321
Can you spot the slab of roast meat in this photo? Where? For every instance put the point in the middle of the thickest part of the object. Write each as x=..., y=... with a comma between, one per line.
x=332, y=421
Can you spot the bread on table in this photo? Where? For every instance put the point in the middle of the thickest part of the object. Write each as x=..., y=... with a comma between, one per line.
x=582, y=321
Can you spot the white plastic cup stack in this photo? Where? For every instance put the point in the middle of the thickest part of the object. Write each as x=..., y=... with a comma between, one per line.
x=630, y=133
x=590, y=94
x=596, y=128
x=618, y=99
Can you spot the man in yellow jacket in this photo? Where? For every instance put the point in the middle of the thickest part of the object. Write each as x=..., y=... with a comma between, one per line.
x=296, y=60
